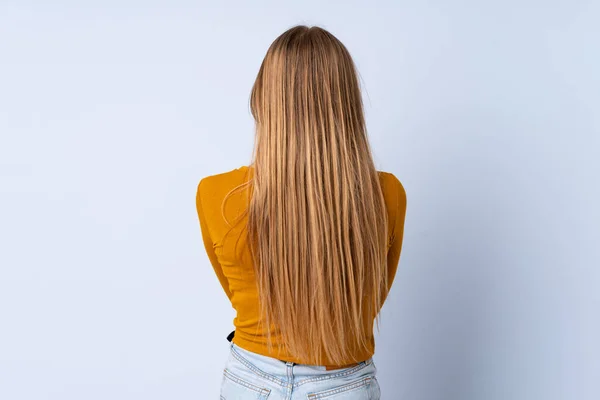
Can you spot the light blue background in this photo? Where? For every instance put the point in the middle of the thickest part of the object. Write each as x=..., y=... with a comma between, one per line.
x=112, y=111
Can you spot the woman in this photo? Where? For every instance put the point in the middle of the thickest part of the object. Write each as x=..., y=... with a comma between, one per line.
x=305, y=240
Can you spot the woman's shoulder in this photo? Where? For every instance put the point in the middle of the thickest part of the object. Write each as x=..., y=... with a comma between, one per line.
x=210, y=185
x=391, y=184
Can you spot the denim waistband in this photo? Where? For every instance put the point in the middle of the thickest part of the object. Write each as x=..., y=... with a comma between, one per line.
x=273, y=369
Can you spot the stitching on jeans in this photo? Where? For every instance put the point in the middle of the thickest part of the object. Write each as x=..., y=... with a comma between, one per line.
x=280, y=382
x=255, y=369
x=362, y=382
x=375, y=383
x=325, y=377
x=240, y=381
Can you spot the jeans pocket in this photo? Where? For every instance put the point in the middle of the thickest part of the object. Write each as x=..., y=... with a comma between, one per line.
x=234, y=387
x=361, y=388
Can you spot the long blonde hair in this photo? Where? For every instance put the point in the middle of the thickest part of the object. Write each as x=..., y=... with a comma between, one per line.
x=317, y=223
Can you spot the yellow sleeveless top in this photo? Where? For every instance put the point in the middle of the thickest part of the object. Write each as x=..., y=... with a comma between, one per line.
x=231, y=259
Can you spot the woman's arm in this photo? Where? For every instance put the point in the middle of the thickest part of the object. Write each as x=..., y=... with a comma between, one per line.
x=208, y=242
x=397, y=236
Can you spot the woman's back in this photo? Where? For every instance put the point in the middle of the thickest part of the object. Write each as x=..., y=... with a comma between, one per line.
x=229, y=254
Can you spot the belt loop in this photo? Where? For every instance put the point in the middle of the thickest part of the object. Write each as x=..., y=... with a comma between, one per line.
x=290, y=377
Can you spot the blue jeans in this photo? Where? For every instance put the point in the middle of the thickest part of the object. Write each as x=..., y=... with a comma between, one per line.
x=248, y=375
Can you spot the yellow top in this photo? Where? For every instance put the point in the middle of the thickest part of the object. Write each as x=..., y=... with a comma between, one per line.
x=234, y=269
